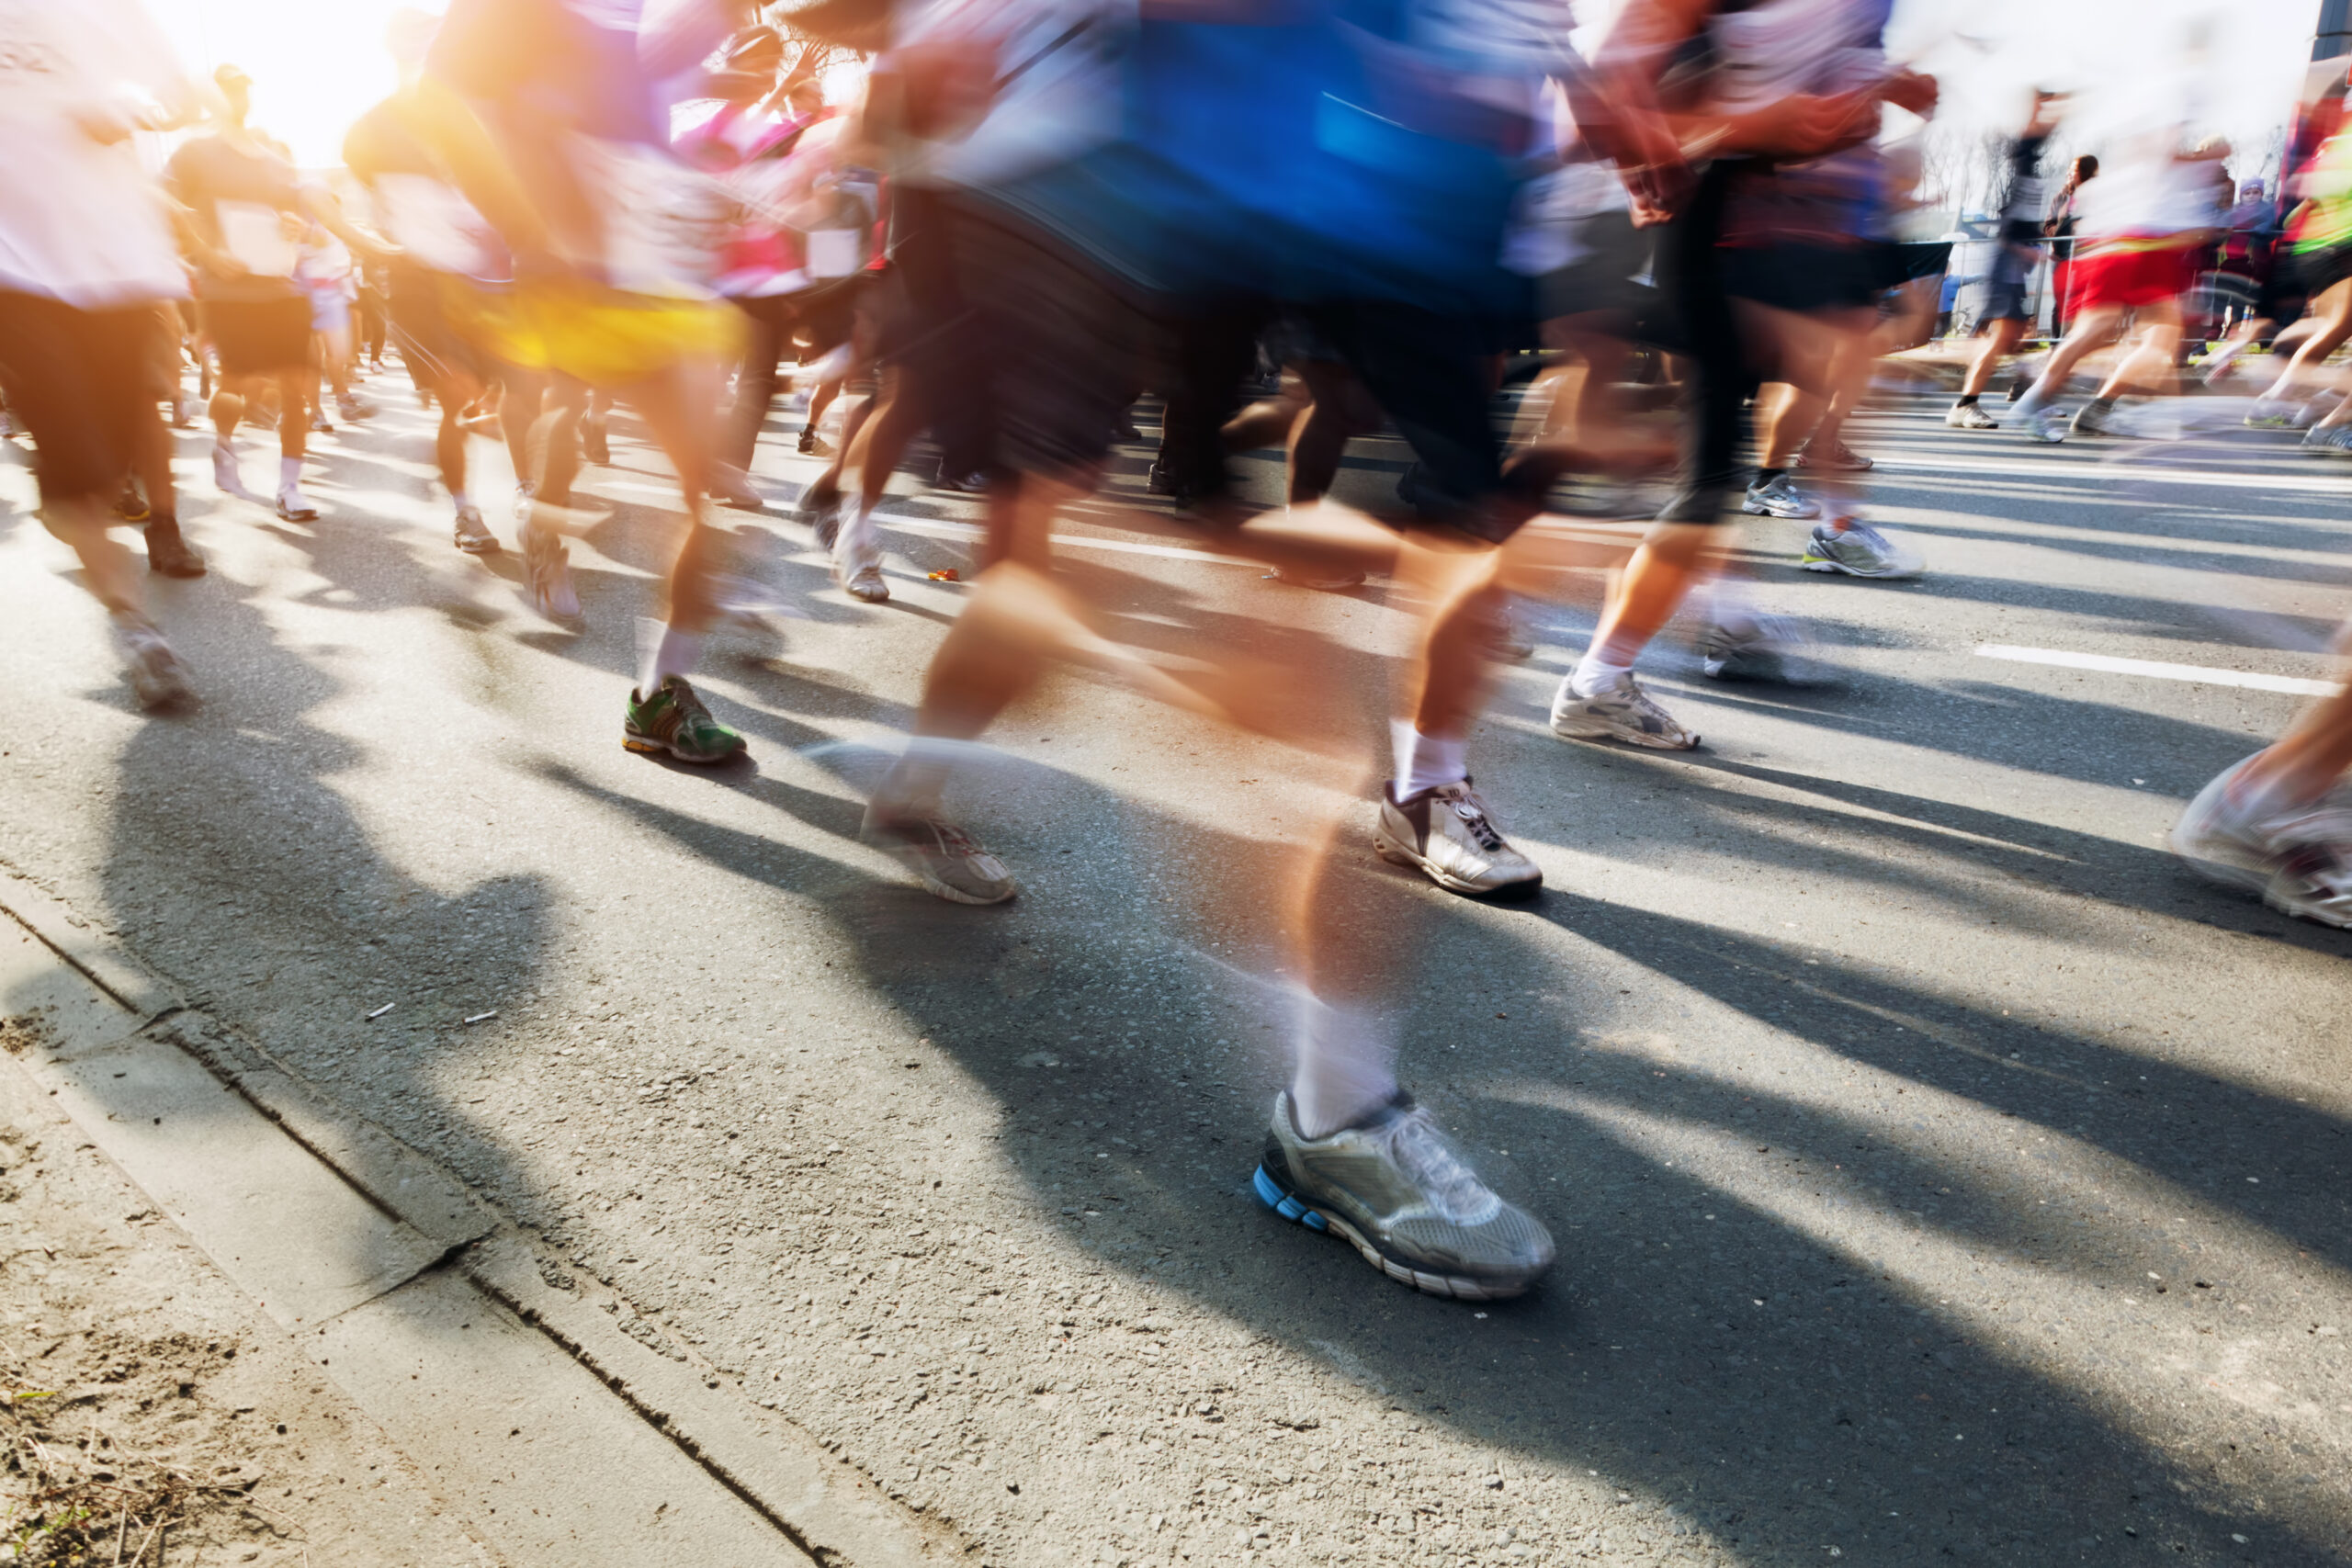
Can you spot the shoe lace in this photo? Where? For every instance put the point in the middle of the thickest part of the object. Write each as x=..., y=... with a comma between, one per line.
x=690, y=710
x=953, y=840
x=1472, y=812
x=1452, y=1189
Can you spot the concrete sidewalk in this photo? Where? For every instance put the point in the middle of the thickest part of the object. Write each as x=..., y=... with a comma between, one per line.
x=232, y=1319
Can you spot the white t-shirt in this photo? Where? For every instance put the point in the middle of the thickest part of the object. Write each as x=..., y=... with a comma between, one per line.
x=80, y=220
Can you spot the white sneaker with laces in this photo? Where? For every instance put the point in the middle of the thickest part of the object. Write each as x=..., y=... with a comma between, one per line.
x=1447, y=835
x=1968, y=416
x=857, y=559
x=1620, y=711
x=1778, y=497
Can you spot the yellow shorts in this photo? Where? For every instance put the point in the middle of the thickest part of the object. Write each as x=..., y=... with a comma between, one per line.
x=603, y=336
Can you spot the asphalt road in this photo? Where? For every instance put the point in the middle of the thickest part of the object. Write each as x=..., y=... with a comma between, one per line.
x=1940, y=1172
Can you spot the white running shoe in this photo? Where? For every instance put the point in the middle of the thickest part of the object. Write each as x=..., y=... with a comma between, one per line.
x=225, y=476
x=730, y=485
x=1968, y=416
x=293, y=506
x=2045, y=423
x=1777, y=497
x=1853, y=547
x=2298, y=859
x=158, y=678
x=1758, y=647
x=546, y=572
x=1621, y=713
x=1446, y=835
x=858, y=561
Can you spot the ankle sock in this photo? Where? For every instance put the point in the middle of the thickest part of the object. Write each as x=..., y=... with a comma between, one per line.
x=1766, y=475
x=666, y=651
x=1967, y=401
x=1594, y=674
x=289, y=474
x=1425, y=762
x=1345, y=1066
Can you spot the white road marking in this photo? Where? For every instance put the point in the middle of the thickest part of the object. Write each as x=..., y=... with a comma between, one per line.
x=2156, y=670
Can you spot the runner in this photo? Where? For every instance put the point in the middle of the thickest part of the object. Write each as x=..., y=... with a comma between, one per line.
x=2143, y=223
x=451, y=269
x=2016, y=249
x=85, y=259
x=247, y=213
x=553, y=116
x=1780, y=93
x=2279, y=823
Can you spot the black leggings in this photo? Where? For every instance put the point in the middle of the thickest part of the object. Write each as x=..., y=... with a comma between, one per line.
x=1691, y=280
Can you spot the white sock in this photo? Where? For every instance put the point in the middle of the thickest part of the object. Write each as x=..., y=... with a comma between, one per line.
x=1594, y=674
x=1346, y=1065
x=460, y=500
x=920, y=776
x=1726, y=602
x=1425, y=762
x=289, y=474
x=665, y=652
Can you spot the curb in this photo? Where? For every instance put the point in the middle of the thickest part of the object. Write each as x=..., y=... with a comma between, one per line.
x=514, y=1386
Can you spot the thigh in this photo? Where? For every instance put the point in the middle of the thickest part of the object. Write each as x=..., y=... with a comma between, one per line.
x=79, y=380
x=1429, y=373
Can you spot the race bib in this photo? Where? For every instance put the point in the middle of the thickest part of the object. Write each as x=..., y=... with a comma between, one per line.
x=256, y=235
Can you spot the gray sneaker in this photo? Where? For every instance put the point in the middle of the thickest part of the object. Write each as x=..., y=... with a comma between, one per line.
x=473, y=535
x=546, y=569
x=2045, y=423
x=2299, y=860
x=158, y=677
x=2328, y=440
x=1757, y=648
x=1778, y=498
x=1858, y=550
x=946, y=859
x=2091, y=419
x=1445, y=834
x=1394, y=1186
x=1623, y=712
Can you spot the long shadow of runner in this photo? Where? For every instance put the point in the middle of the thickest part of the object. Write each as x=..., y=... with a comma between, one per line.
x=1780, y=1394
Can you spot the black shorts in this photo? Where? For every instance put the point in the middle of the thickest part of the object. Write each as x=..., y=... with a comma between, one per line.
x=425, y=308
x=1610, y=276
x=1805, y=277
x=2316, y=272
x=256, y=337
x=82, y=382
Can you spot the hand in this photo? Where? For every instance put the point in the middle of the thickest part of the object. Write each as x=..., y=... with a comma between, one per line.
x=1918, y=93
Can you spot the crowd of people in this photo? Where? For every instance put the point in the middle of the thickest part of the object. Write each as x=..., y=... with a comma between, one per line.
x=1031, y=214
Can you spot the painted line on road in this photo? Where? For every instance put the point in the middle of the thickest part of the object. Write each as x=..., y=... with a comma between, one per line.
x=974, y=531
x=2156, y=670
x=2329, y=483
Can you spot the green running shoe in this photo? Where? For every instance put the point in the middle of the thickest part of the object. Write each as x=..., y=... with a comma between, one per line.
x=674, y=720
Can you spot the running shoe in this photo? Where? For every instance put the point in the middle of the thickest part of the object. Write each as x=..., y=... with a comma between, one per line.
x=1621, y=713
x=167, y=553
x=1857, y=550
x=1757, y=648
x=946, y=859
x=158, y=678
x=813, y=445
x=822, y=513
x=857, y=561
x=2300, y=860
x=2091, y=419
x=2046, y=424
x=1777, y=497
x=1394, y=1186
x=224, y=473
x=594, y=446
x=473, y=535
x=1968, y=416
x=2328, y=440
x=131, y=506
x=1839, y=458
x=974, y=483
x=730, y=485
x=1446, y=835
x=293, y=506
x=674, y=720
x=321, y=425
x=354, y=408
x=546, y=572
x=2270, y=414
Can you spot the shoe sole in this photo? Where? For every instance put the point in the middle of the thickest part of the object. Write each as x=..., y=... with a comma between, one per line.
x=949, y=891
x=1820, y=563
x=1752, y=510
x=647, y=745
x=1644, y=741
x=1298, y=1210
x=1395, y=852
x=479, y=546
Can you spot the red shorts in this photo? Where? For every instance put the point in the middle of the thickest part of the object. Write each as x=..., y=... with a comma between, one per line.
x=2132, y=279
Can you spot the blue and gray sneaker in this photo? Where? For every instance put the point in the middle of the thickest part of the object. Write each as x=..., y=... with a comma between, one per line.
x=1393, y=1186
x=1778, y=497
x=1853, y=547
